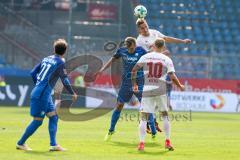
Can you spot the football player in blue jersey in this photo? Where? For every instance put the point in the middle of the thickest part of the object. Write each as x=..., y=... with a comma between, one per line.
x=129, y=54
x=45, y=76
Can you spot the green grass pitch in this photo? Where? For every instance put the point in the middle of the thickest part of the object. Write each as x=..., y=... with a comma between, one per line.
x=209, y=136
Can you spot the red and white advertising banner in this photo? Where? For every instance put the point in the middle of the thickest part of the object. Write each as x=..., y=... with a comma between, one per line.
x=209, y=85
x=102, y=11
x=195, y=85
x=204, y=102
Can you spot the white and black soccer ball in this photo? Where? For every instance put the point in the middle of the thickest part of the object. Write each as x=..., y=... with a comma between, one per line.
x=140, y=11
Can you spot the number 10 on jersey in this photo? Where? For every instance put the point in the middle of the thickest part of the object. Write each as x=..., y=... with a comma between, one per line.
x=155, y=70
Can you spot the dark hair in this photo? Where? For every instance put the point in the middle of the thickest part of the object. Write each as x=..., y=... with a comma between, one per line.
x=159, y=43
x=140, y=21
x=60, y=47
x=129, y=41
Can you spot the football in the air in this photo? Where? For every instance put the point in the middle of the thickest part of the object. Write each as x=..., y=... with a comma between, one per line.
x=140, y=11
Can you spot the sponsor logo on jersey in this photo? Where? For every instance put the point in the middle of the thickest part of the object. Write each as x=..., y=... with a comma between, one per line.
x=132, y=59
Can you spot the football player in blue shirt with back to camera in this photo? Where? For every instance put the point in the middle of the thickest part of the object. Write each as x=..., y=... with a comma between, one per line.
x=45, y=76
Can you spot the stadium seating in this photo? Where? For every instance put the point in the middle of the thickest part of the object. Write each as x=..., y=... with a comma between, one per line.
x=2, y=60
x=11, y=70
x=213, y=26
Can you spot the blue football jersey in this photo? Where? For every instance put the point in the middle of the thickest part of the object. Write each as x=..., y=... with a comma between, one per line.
x=46, y=74
x=129, y=60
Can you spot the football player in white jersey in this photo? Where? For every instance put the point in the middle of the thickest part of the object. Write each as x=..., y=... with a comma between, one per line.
x=157, y=67
x=147, y=36
x=146, y=39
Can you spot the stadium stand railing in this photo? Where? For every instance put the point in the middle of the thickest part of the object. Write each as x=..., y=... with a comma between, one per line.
x=24, y=35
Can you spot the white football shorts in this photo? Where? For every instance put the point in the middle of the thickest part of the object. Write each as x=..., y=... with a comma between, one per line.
x=154, y=104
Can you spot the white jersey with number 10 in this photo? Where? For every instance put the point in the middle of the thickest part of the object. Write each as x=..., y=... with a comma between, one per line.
x=156, y=66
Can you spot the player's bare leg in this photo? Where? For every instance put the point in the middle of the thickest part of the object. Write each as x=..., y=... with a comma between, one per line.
x=115, y=117
x=166, y=126
x=142, y=130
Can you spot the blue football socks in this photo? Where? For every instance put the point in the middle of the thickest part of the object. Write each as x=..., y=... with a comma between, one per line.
x=115, y=117
x=152, y=123
x=52, y=128
x=32, y=127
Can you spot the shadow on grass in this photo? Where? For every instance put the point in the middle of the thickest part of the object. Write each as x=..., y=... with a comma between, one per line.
x=153, y=153
x=124, y=144
x=134, y=145
x=148, y=147
x=45, y=153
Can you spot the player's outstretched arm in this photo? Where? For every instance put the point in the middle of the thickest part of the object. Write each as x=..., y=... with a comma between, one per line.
x=169, y=39
x=176, y=81
x=34, y=72
x=107, y=65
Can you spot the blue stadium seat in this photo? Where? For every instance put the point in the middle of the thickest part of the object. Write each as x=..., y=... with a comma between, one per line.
x=2, y=60
x=208, y=24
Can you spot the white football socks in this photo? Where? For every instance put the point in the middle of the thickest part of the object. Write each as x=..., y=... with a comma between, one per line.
x=166, y=127
x=142, y=130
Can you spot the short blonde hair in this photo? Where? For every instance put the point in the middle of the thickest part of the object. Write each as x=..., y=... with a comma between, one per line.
x=129, y=41
x=159, y=43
